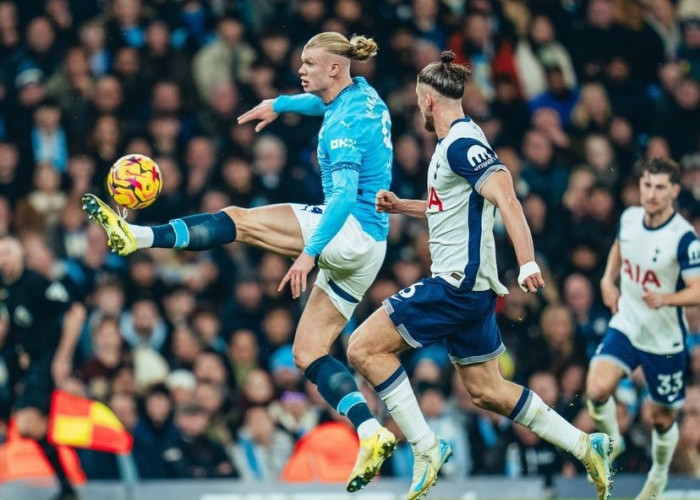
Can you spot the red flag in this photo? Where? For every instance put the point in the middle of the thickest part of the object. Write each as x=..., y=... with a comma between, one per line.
x=84, y=423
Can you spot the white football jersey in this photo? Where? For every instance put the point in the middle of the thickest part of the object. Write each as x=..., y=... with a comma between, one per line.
x=460, y=220
x=655, y=259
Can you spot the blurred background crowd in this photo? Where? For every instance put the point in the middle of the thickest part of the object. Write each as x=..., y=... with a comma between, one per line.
x=192, y=350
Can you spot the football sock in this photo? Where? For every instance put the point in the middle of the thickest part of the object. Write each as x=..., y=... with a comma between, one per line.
x=193, y=232
x=397, y=394
x=605, y=417
x=338, y=388
x=663, y=444
x=51, y=454
x=531, y=412
x=143, y=235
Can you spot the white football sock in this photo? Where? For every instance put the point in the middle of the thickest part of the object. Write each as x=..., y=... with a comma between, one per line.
x=403, y=406
x=143, y=235
x=662, y=447
x=605, y=418
x=552, y=427
x=368, y=427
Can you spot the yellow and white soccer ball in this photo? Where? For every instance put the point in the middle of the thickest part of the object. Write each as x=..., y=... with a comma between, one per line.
x=134, y=181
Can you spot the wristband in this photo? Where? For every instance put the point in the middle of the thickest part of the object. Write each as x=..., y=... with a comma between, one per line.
x=527, y=270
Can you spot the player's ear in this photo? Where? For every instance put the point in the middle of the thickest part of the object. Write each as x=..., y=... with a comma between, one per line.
x=335, y=68
x=676, y=189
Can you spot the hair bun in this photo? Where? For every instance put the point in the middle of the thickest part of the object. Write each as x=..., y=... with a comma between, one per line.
x=447, y=57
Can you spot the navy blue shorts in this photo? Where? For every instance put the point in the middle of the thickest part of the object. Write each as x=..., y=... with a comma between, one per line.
x=432, y=310
x=664, y=373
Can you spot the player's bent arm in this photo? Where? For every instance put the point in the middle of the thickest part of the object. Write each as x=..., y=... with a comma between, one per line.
x=498, y=190
x=304, y=104
x=338, y=208
x=388, y=202
x=72, y=324
x=413, y=208
x=688, y=297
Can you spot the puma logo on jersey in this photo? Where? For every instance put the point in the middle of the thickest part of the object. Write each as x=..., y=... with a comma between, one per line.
x=636, y=274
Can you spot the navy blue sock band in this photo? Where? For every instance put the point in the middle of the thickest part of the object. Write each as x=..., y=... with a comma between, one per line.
x=392, y=382
x=338, y=388
x=195, y=232
x=521, y=406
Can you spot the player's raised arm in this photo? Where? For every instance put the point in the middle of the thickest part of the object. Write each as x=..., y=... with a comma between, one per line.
x=269, y=109
x=608, y=284
x=498, y=189
x=388, y=202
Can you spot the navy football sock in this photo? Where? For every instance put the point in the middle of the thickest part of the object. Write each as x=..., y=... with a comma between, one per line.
x=195, y=232
x=336, y=385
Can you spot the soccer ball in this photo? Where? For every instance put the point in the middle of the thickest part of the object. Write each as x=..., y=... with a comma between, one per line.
x=134, y=181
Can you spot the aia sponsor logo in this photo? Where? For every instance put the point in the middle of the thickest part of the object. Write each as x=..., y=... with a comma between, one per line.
x=642, y=276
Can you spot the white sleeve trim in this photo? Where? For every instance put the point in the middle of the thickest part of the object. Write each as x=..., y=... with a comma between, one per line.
x=487, y=175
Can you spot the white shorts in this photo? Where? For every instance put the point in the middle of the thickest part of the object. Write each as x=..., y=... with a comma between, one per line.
x=348, y=264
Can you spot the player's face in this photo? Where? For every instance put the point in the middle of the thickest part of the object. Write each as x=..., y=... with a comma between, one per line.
x=424, y=107
x=315, y=70
x=657, y=192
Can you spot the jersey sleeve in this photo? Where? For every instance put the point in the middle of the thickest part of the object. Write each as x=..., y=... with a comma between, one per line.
x=304, y=104
x=347, y=141
x=689, y=255
x=473, y=160
x=337, y=210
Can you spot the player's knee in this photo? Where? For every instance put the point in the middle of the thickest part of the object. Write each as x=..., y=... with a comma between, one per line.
x=662, y=418
x=357, y=355
x=597, y=392
x=303, y=357
x=240, y=217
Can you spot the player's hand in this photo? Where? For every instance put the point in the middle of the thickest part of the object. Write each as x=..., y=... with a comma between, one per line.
x=387, y=202
x=653, y=300
x=296, y=276
x=611, y=295
x=262, y=112
x=60, y=369
x=532, y=283
x=530, y=278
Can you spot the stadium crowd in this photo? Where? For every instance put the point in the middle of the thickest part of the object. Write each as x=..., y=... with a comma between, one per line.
x=192, y=351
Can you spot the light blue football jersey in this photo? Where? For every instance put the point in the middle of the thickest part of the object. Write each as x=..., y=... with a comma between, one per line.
x=356, y=134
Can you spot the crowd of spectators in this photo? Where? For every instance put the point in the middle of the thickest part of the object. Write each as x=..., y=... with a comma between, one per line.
x=192, y=350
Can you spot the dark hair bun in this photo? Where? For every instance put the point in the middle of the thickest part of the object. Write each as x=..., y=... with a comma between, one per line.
x=447, y=57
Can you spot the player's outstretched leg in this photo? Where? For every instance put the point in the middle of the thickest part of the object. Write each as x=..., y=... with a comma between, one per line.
x=372, y=351
x=193, y=232
x=491, y=392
